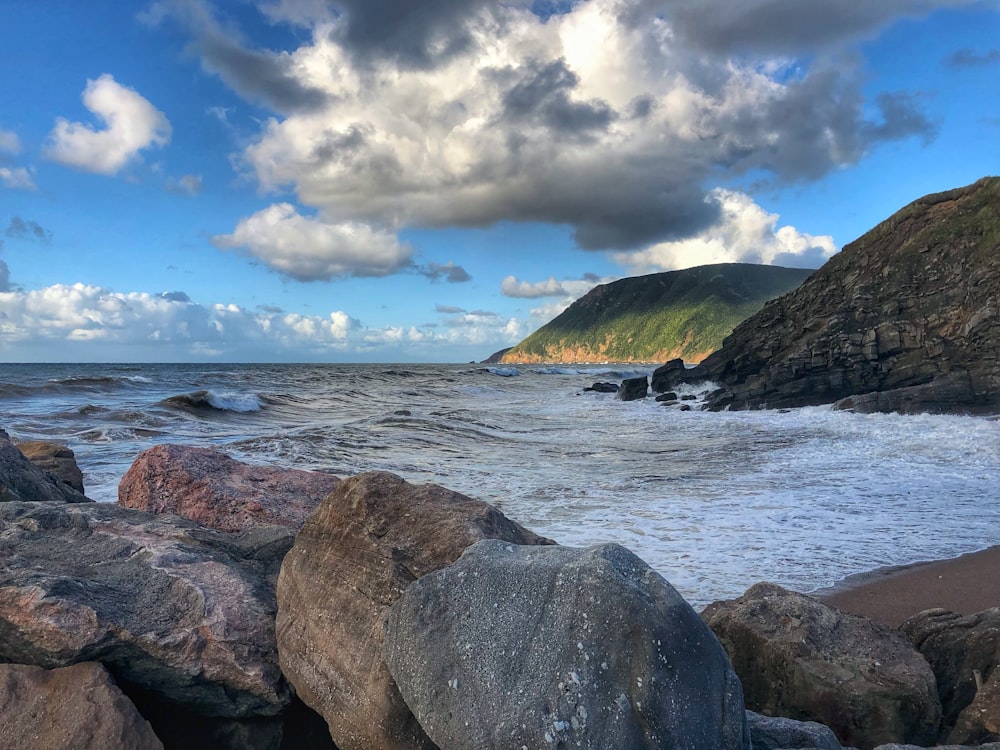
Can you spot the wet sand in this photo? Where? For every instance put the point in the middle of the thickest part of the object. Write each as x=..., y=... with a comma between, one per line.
x=966, y=584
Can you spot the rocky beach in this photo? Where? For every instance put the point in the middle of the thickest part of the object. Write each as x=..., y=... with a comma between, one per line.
x=206, y=609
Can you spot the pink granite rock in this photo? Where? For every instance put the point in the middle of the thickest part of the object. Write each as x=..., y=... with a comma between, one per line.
x=67, y=709
x=214, y=490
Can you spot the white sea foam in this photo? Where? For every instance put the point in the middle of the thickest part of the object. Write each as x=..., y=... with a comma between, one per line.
x=231, y=401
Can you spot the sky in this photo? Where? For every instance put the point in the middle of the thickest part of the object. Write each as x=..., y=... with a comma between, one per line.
x=432, y=180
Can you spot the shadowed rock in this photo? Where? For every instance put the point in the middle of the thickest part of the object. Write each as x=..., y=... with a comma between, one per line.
x=68, y=709
x=214, y=490
x=21, y=480
x=777, y=733
x=538, y=647
x=800, y=658
x=370, y=539
x=164, y=604
x=54, y=458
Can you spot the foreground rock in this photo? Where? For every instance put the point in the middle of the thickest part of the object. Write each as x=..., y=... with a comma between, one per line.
x=21, y=480
x=799, y=658
x=72, y=708
x=166, y=605
x=555, y=647
x=54, y=458
x=217, y=491
x=958, y=648
x=369, y=539
x=778, y=733
x=909, y=311
x=633, y=389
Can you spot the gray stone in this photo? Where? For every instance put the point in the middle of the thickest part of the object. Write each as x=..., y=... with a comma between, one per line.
x=547, y=647
x=633, y=389
x=775, y=733
x=21, y=480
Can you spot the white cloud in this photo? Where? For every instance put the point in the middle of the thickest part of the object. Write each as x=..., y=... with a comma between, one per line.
x=511, y=286
x=309, y=249
x=745, y=233
x=17, y=178
x=9, y=142
x=189, y=184
x=131, y=124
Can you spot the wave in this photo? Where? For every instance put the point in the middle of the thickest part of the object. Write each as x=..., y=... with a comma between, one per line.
x=210, y=400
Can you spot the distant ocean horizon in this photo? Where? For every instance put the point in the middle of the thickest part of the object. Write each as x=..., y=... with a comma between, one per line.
x=713, y=501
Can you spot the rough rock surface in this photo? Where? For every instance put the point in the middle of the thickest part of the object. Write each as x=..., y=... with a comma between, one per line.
x=369, y=539
x=21, y=480
x=217, y=491
x=776, y=733
x=911, y=311
x=163, y=603
x=958, y=646
x=979, y=722
x=556, y=647
x=897, y=746
x=54, y=458
x=800, y=658
x=72, y=708
x=633, y=389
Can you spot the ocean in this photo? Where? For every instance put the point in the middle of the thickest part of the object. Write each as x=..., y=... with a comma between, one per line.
x=713, y=501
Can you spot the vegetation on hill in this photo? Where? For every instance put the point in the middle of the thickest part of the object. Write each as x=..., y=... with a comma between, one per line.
x=657, y=317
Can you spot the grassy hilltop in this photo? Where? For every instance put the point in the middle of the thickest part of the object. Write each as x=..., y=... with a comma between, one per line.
x=657, y=317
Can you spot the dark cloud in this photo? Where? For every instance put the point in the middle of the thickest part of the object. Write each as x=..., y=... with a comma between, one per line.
x=543, y=94
x=780, y=26
x=450, y=272
x=484, y=314
x=26, y=229
x=4, y=275
x=271, y=309
x=901, y=118
x=261, y=76
x=449, y=309
x=969, y=58
x=175, y=296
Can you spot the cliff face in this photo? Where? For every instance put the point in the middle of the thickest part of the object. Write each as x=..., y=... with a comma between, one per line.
x=906, y=318
x=656, y=317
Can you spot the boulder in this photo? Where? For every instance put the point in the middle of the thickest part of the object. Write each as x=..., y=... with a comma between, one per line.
x=548, y=647
x=21, y=480
x=979, y=722
x=668, y=396
x=633, y=389
x=368, y=540
x=68, y=709
x=603, y=388
x=897, y=746
x=669, y=376
x=800, y=658
x=54, y=458
x=958, y=646
x=775, y=733
x=214, y=490
x=166, y=605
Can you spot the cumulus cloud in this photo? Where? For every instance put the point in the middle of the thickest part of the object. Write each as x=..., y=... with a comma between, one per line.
x=131, y=124
x=746, y=233
x=608, y=116
x=9, y=142
x=17, y=178
x=309, y=249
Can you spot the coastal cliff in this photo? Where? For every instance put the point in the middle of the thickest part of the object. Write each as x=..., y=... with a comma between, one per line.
x=906, y=319
x=658, y=316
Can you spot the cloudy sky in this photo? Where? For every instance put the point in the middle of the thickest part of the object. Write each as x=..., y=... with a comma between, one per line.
x=431, y=180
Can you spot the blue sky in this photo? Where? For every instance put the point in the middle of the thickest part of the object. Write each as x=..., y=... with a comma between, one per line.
x=385, y=180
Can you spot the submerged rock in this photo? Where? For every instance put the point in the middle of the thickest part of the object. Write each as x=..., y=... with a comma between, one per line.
x=800, y=658
x=543, y=647
x=369, y=539
x=166, y=605
x=21, y=480
x=214, y=490
x=72, y=708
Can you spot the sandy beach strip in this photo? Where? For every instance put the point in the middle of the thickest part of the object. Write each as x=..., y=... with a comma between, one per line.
x=966, y=584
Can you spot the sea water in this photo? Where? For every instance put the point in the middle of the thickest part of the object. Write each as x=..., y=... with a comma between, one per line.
x=713, y=501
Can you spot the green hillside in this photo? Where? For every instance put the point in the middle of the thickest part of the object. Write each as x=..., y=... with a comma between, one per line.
x=658, y=317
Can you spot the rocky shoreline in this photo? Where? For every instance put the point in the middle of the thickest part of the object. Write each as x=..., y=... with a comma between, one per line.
x=232, y=606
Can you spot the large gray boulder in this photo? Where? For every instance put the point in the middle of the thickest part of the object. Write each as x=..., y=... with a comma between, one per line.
x=73, y=708
x=166, y=605
x=547, y=647
x=369, y=539
x=215, y=490
x=957, y=648
x=800, y=658
x=21, y=480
